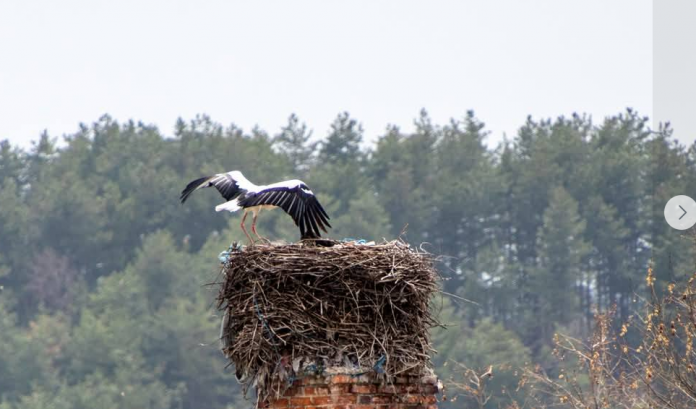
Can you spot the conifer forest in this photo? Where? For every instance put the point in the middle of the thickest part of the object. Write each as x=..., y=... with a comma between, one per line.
x=542, y=240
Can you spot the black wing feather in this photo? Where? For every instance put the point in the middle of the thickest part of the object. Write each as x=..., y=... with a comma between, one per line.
x=300, y=214
x=313, y=217
x=322, y=215
x=312, y=223
x=290, y=208
x=192, y=186
x=284, y=199
x=303, y=207
x=223, y=182
x=323, y=212
x=319, y=220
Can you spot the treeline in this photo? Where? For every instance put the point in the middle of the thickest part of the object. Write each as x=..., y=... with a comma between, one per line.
x=103, y=273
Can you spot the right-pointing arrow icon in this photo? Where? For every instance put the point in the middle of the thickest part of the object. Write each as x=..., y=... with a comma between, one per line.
x=680, y=212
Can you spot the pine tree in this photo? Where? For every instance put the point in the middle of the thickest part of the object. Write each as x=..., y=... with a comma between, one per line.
x=340, y=172
x=465, y=195
x=342, y=145
x=293, y=142
x=561, y=249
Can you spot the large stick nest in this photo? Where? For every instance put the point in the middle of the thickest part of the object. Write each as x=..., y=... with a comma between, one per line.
x=292, y=310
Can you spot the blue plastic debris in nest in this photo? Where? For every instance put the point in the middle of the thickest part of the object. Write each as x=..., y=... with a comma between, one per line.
x=224, y=256
x=313, y=369
x=379, y=365
x=352, y=240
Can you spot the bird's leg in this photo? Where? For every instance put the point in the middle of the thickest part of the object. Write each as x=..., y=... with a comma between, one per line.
x=251, y=242
x=253, y=228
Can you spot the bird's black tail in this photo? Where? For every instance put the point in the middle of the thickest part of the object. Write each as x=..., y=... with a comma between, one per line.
x=309, y=235
x=196, y=184
x=314, y=240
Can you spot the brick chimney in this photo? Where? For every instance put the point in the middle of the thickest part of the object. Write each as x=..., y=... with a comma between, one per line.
x=358, y=392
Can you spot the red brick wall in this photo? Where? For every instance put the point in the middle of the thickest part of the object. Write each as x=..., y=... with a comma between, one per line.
x=359, y=392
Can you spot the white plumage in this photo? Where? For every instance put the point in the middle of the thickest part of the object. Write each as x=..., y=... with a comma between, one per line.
x=293, y=196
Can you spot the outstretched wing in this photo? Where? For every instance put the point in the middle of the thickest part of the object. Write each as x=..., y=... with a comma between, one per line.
x=230, y=185
x=301, y=205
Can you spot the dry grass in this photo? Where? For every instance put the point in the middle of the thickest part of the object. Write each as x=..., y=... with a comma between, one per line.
x=647, y=362
x=295, y=309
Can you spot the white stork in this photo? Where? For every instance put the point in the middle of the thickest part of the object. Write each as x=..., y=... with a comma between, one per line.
x=293, y=196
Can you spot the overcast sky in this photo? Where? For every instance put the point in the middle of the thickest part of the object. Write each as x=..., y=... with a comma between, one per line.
x=256, y=62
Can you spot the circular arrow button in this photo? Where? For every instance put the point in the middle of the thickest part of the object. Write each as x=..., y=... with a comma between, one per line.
x=680, y=212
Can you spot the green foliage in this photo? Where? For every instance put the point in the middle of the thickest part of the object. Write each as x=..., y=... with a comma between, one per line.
x=103, y=296
x=342, y=145
x=365, y=218
x=485, y=345
x=129, y=388
x=293, y=143
x=14, y=223
x=561, y=250
x=21, y=362
x=12, y=162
